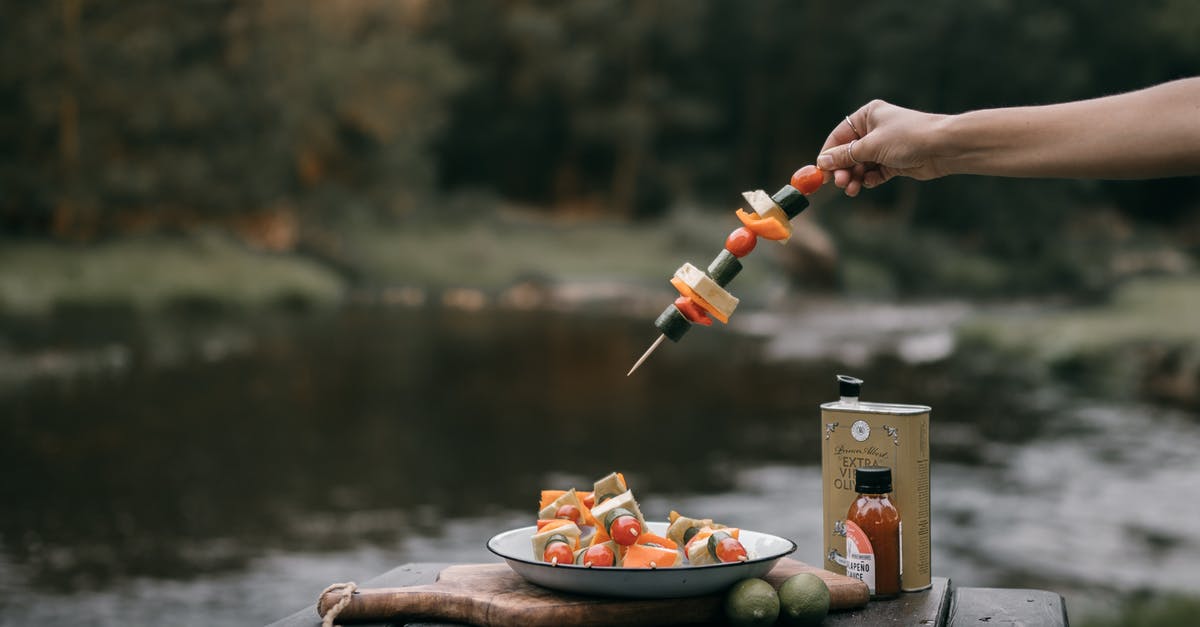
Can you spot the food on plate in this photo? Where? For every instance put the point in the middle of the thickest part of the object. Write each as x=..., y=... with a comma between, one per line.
x=650, y=556
x=556, y=541
x=683, y=528
x=567, y=506
x=613, y=532
x=603, y=554
x=608, y=486
x=715, y=546
x=620, y=518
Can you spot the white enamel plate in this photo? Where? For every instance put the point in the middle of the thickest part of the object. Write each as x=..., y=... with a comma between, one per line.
x=763, y=549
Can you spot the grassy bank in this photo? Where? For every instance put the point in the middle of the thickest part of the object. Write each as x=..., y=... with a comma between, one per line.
x=150, y=274
x=1144, y=341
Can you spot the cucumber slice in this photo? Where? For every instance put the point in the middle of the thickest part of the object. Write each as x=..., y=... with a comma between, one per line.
x=724, y=268
x=790, y=200
x=612, y=516
x=672, y=323
x=714, y=540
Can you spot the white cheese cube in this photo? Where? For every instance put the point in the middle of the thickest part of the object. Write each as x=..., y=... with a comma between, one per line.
x=765, y=207
x=707, y=288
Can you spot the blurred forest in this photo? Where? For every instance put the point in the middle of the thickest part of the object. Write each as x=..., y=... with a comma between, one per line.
x=284, y=117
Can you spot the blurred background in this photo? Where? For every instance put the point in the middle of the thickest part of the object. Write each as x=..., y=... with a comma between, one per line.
x=293, y=292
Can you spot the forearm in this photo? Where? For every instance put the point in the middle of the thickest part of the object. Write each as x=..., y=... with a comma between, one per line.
x=1153, y=132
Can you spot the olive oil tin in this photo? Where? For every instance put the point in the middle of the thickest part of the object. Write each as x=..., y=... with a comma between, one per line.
x=855, y=434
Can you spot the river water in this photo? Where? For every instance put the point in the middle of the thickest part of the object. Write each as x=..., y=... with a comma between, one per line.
x=208, y=472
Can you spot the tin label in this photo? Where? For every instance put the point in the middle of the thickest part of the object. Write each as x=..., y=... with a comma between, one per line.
x=860, y=555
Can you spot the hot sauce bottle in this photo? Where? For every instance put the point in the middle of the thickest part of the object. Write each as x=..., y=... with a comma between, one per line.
x=873, y=533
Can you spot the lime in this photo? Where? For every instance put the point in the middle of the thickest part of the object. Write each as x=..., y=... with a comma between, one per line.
x=751, y=602
x=803, y=600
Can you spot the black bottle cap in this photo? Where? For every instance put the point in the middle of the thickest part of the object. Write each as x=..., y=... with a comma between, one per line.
x=790, y=200
x=848, y=386
x=873, y=479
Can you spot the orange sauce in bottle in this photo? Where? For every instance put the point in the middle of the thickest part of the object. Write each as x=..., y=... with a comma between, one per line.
x=873, y=533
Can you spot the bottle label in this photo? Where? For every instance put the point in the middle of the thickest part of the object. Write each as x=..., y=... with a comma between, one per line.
x=860, y=555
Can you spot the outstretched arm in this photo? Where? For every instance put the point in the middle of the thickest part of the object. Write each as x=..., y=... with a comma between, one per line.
x=1149, y=133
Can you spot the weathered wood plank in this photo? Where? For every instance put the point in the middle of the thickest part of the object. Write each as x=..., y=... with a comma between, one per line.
x=1004, y=606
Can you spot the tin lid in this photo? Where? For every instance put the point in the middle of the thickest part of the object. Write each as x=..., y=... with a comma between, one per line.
x=873, y=479
x=894, y=409
x=848, y=386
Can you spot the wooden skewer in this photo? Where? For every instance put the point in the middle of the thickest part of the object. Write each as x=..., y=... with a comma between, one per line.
x=646, y=354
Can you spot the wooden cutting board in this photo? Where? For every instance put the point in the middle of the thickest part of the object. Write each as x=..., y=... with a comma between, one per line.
x=492, y=595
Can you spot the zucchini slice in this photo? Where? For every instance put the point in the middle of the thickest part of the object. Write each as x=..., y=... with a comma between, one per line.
x=570, y=532
x=673, y=324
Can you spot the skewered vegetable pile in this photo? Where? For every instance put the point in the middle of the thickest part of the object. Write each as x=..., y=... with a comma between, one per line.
x=702, y=294
x=605, y=528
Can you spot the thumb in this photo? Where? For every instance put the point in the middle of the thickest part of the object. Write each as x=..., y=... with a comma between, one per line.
x=845, y=156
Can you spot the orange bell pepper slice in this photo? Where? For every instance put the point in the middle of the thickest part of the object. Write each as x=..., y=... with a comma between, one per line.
x=766, y=228
x=645, y=556
x=650, y=538
x=549, y=496
x=705, y=305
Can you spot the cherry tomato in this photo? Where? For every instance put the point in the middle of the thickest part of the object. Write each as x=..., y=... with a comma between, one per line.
x=589, y=500
x=692, y=311
x=598, y=555
x=559, y=550
x=568, y=512
x=808, y=179
x=730, y=550
x=625, y=530
x=741, y=242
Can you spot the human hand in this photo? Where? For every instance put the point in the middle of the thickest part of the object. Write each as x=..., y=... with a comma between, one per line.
x=878, y=142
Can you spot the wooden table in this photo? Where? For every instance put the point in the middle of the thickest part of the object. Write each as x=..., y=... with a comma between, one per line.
x=941, y=606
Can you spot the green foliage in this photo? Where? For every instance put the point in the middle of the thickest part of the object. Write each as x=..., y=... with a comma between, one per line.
x=369, y=110
x=213, y=108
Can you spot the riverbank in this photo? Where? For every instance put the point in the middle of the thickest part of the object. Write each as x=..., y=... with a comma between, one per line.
x=1137, y=341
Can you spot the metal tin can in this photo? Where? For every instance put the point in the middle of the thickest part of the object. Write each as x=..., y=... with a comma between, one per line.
x=858, y=434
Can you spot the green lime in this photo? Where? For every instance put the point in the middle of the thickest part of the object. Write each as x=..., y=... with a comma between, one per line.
x=751, y=602
x=803, y=600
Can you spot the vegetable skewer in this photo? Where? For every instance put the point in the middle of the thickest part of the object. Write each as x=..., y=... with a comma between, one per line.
x=702, y=294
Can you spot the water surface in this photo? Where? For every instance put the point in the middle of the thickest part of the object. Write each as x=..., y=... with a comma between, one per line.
x=224, y=472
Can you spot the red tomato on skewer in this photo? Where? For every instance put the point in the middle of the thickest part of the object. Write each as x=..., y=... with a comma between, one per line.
x=599, y=555
x=625, y=530
x=808, y=179
x=741, y=242
x=568, y=512
x=730, y=550
x=557, y=553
